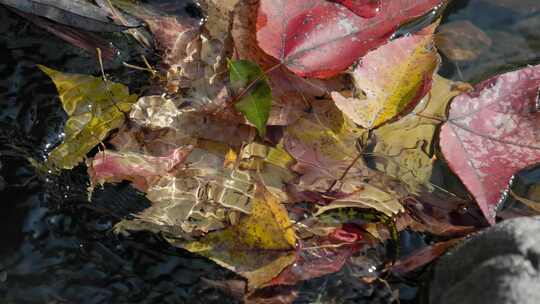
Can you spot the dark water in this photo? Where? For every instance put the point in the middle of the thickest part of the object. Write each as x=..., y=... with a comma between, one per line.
x=56, y=247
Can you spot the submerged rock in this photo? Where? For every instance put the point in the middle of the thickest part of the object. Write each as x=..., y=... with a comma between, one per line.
x=499, y=266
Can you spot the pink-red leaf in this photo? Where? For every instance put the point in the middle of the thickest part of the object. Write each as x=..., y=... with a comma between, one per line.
x=319, y=38
x=322, y=255
x=492, y=132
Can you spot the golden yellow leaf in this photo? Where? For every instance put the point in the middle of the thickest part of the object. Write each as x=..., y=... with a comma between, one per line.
x=259, y=247
x=404, y=148
x=390, y=79
x=94, y=107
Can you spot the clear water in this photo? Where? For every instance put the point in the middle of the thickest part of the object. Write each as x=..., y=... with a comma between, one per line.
x=58, y=248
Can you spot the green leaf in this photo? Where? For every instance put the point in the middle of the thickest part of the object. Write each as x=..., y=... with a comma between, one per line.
x=94, y=107
x=256, y=102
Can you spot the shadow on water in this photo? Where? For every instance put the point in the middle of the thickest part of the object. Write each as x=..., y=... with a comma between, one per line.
x=58, y=248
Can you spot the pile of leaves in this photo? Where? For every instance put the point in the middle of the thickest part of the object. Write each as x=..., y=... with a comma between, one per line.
x=284, y=137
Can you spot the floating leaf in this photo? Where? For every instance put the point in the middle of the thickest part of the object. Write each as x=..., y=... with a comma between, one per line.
x=492, y=132
x=391, y=79
x=256, y=100
x=319, y=38
x=259, y=247
x=291, y=94
x=94, y=107
x=404, y=149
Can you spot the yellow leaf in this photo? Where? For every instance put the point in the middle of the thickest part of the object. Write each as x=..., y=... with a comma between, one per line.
x=94, y=107
x=404, y=148
x=324, y=147
x=259, y=247
x=390, y=78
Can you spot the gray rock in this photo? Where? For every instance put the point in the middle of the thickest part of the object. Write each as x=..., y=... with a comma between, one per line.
x=496, y=266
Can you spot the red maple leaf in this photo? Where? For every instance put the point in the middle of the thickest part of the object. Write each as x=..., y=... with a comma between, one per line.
x=493, y=132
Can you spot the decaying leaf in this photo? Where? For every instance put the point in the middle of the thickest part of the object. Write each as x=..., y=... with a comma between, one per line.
x=461, y=40
x=391, y=79
x=423, y=256
x=255, y=100
x=319, y=38
x=259, y=247
x=94, y=106
x=404, y=149
x=319, y=256
x=492, y=132
x=75, y=13
x=142, y=170
x=324, y=147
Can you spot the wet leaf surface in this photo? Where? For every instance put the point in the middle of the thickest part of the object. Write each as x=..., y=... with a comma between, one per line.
x=311, y=211
x=391, y=79
x=491, y=134
x=95, y=107
x=320, y=38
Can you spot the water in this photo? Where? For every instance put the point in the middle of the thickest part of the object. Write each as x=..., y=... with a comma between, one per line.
x=58, y=248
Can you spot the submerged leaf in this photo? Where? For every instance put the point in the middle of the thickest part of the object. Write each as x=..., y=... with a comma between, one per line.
x=259, y=247
x=94, y=107
x=142, y=170
x=75, y=13
x=423, y=256
x=462, y=40
x=492, y=132
x=256, y=96
x=391, y=79
x=404, y=149
x=324, y=147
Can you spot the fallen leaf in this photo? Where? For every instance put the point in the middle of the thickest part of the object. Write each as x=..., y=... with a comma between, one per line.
x=142, y=170
x=319, y=38
x=461, y=40
x=291, y=94
x=324, y=147
x=363, y=8
x=492, y=133
x=391, y=79
x=320, y=256
x=422, y=257
x=255, y=95
x=94, y=106
x=79, y=38
x=404, y=148
x=259, y=247
x=79, y=14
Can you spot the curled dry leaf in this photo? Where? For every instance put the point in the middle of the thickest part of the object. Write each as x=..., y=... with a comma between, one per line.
x=404, y=148
x=492, y=132
x=319, y=38
x=94, y=106
x=391, y=79
x=461, y=40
